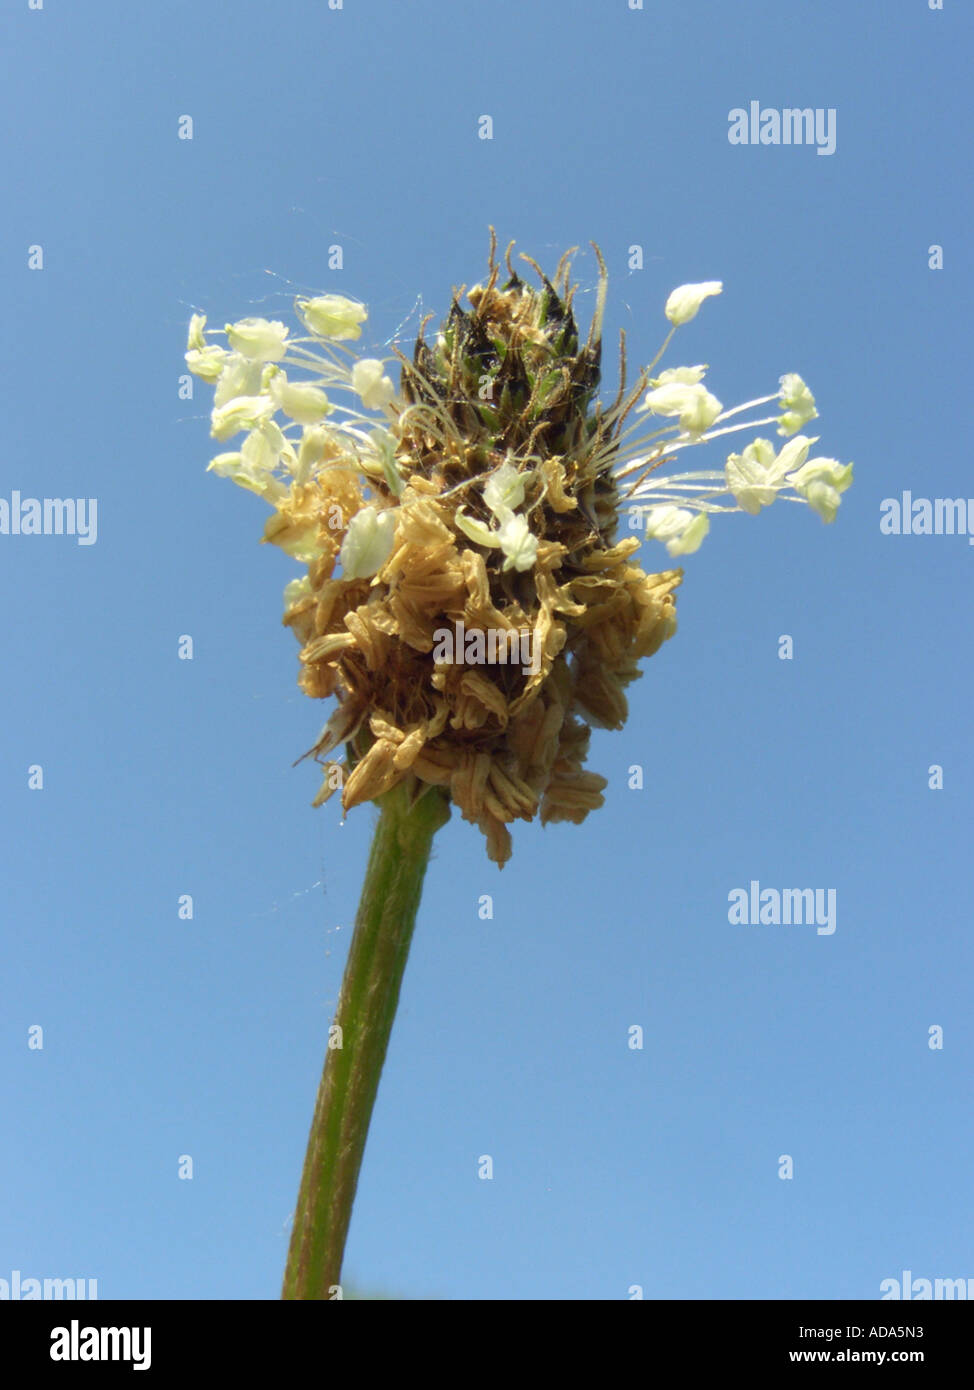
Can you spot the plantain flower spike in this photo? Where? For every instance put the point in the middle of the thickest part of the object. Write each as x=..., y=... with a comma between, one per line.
x=492, y=489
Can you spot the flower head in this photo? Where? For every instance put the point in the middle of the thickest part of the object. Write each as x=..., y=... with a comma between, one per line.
x=488, y=490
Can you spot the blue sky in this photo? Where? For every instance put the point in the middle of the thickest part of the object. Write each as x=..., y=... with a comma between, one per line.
x=163, y=1037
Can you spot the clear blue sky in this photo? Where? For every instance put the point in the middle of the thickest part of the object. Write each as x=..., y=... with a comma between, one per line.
x=164, y=1037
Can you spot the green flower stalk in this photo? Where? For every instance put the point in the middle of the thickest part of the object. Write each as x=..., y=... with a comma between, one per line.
x=364, y=1018
x=483, y=497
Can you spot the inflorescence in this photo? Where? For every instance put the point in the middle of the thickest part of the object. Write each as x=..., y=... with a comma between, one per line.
x=487, y=490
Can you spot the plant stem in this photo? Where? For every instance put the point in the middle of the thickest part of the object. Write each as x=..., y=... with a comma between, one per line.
x=366, y=1009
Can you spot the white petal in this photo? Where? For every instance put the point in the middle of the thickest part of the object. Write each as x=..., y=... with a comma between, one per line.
x=684, y=302
x=517, y=543
x=263, y=446
x=475, y=530
x=238, y=378
x=368, y=543
x=332, y=316
x=694, y=404
x=753, y=476
x=243, y=412
x=798, y=402
x=195, y=340
x=300, y=400
x=297, y=590
x=680, y=376
x=504, y=491
x=260, y=340
x=692, y=536
x=666, y=521
x=794, y=453
x=681, y=529
x=207, y=362
x=369, y=380
x=244, y=474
